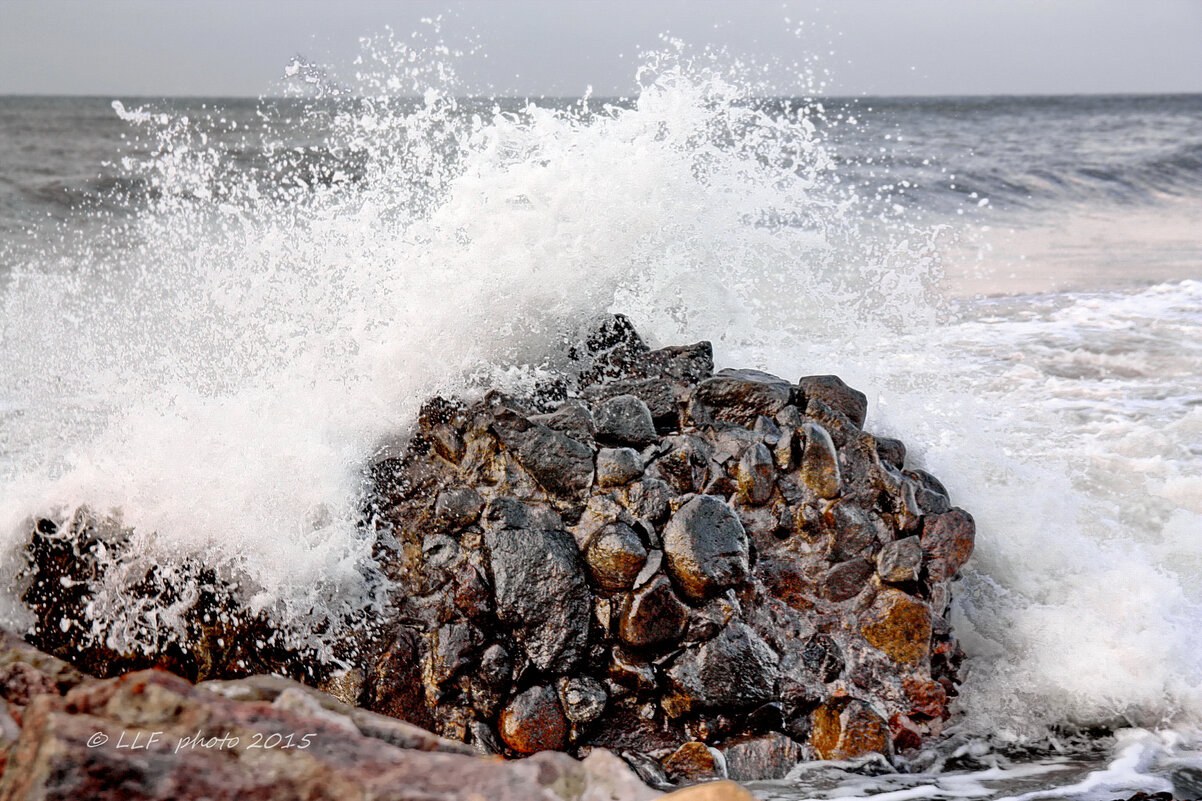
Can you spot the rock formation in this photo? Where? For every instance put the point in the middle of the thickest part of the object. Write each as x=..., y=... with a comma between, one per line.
x=692, y=569
x=662, y=556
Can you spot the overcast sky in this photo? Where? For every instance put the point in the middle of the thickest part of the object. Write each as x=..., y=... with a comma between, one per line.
x=561, y=47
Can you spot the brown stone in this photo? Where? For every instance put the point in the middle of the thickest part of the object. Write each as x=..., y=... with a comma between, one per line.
x=534, y=721
x=714, y=791
x=756, y=475
x=948, y=541
x=843, y=729
x=615, y=555
x=692, y=762
x=928, y=698
x=846, y=579
x=831, y=390
x=820, y=462
x=900, y=625
x=906, y=735
x=653, y=615
x=740, y=396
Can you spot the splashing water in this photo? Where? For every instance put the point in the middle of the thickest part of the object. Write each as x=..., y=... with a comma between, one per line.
x=221, y=363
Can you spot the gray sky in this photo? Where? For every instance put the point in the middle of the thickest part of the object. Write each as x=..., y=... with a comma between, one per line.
x=240, y=47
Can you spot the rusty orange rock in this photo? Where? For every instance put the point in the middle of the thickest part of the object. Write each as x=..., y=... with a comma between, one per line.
x=898, y=624
x=533, y=721
x=692, y=762
x=843, y=729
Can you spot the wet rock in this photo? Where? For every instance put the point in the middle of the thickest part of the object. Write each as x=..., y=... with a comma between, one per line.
x=624, y=419
x=692, y=762
x=706, y=548
x=740, y=396
x=820, y=462
x=846, y=579
x=559, y=463
x=534, y=721
x=847, y=728
x=618, y=466
x=756, y=475
x=541, y=592
x=823, y=657
x=458, y=507
x=572, y=418
x=767, y=757
x=948, y=540
x=615, y=556
x=658, y=393
x=653, y=615
x=898, y=624
x=735, y=670
x=583, y=699
x=892, y=451
x=900, y=561
x=646, y=499
x=831, y=390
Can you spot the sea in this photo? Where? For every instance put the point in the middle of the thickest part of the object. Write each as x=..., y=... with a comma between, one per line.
x=216, y=312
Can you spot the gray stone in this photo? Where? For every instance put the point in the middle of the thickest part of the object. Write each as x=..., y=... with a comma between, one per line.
x=706, y=548
x=540, y=591
x=735, y=670
x=618, y=466
x=765, y=758
x=458, y=507
x=559, y=463
x=624, y=419
x=657, y=393
x=572, y=418
x=583, y=698
x=900, y=561
x=820, y=462
x=892, y=451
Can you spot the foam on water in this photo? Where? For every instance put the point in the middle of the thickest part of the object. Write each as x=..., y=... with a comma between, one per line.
x=221, y=371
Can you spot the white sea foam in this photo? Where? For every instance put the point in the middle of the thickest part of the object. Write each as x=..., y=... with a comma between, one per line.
x=223, y=378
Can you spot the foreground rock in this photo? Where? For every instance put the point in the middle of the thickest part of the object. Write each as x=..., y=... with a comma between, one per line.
x=724, y=559
x=152, y=735
x=646, y=555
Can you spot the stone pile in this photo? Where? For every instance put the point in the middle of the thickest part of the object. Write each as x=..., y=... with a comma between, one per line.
x=668, y=562
x=710, y=573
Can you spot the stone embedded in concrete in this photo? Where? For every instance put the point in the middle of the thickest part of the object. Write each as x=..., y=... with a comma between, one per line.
x=706, y=548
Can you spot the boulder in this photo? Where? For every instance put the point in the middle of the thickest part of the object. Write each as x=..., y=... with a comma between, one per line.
x=740, y=396
x=625, y=420
x=653, y=615
x=618, y=466
x=831, y=390
x=706, y=548
x=692, y=762
x=534, y=721
x=846, y=728
x=735, y=670
x=766, y=757
x=541, y=592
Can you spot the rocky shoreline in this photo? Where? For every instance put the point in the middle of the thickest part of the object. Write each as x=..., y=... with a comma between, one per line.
x=710, y=574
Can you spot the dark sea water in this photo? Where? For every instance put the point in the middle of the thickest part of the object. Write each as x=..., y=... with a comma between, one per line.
x=215, y=311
